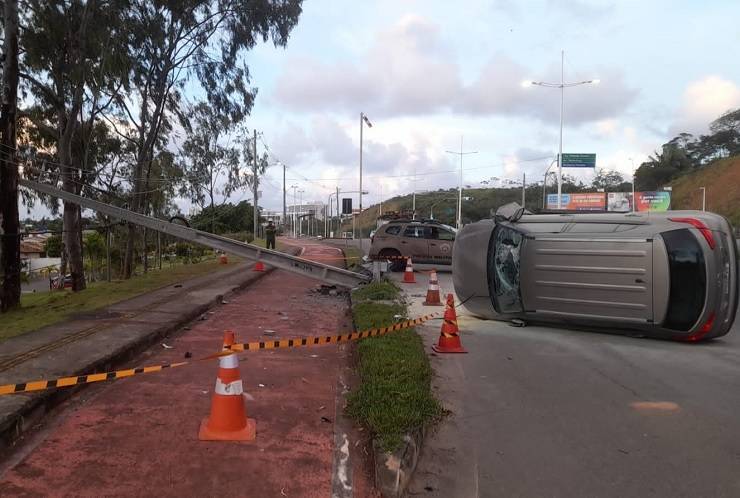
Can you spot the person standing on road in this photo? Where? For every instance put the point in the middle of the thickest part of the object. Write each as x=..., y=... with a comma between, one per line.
x=270, y=235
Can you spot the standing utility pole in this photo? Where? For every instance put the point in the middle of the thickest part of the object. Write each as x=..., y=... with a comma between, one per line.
x=459, y=187
x=10, y=236
x=285, y=216
x=524, y=189
x=703, y=198
x=254, y=187
x=300, y=218
x=413, y=196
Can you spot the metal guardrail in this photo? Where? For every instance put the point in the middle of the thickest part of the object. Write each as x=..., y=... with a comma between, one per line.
x=327, y=273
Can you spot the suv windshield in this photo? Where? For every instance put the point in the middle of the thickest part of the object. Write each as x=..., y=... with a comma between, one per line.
x=503, y=269
x=688, y=276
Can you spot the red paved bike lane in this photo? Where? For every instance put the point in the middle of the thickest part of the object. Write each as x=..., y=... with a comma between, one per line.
x=138, y=437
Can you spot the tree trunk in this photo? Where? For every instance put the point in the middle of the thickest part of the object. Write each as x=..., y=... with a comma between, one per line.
x=146, y=253
x=73, y=246
x=10, y=253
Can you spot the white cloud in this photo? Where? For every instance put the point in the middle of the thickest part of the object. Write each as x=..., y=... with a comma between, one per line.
x=703, y=102
x=499, y=90
x=410, y=70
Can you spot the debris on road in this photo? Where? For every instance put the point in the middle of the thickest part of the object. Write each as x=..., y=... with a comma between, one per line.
x=167, y=346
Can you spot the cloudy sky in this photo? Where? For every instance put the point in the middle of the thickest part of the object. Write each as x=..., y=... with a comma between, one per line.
x=429, y=72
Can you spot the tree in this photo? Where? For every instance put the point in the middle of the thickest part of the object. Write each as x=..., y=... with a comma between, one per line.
x=608, y=180
x=74, y=64
x=662, y=167
x=202, y=39
x=210, y=167
x=225, y=218
x=10, y=250
x=53, y=246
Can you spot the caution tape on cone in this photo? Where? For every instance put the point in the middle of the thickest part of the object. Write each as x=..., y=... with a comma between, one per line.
x=40, y=385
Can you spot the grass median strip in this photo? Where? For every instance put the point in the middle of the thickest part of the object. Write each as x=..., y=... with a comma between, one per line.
x=395, y=394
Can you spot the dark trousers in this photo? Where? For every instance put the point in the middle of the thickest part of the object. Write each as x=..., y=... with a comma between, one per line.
x=271, y=243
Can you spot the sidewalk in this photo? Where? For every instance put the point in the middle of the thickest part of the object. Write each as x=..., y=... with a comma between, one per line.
x=99, y=340
x=139, y=436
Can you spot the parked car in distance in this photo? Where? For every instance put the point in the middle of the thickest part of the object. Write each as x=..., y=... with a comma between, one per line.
x=57, y=283
x=665, y=274
x=424, y=241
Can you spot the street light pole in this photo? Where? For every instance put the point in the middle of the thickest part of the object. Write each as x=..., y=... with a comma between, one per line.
x=562, y=86
x=363, y=119
x=285, y=218
x=459, y=187
x=560, y=146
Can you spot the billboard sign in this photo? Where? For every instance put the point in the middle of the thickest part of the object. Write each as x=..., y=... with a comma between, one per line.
x=584, y=201
x=619, y=202
x=579, y=161
x=653, y=201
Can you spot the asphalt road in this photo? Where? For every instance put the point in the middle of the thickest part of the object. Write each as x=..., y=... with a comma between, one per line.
x=540, y=411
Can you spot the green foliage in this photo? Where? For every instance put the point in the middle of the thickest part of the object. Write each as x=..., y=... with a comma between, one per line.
x=225, y=218
x=210, y=167
x=94, y=245
x=377, y=291
x=662, y=167
x=395, y=394
x=53, y=246
x=610, y=181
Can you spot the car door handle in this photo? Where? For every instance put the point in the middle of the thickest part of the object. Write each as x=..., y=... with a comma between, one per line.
x=404, y=242
x=432, y=244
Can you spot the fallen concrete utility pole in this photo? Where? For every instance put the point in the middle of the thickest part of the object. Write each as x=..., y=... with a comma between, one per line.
x=329, y=274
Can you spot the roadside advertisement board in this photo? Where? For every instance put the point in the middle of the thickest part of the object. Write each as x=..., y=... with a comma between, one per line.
x=619, y=202
x=653, y=201
x=584, y=201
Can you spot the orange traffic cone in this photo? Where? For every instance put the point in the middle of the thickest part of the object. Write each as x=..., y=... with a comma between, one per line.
x=433, y=291
x=449, y=338
x=259, y=266
x=228, y=420
x=223, y=259
x=408, y=275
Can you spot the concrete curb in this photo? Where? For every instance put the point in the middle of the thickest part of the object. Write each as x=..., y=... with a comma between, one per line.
x=393, y=470
x=35, y=406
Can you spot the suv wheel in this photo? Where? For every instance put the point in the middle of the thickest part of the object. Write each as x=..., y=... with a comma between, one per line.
x=394, y=264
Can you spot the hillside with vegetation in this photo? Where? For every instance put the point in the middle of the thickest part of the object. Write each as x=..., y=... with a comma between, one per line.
x=722, y=182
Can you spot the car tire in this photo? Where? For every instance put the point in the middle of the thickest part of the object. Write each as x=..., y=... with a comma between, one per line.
x=394, y=264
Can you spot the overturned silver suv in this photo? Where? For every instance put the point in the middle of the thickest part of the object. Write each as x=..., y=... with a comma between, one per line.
x=666, y=274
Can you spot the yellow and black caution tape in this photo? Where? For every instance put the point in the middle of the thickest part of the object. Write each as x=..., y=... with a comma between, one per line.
x=40, y=385
x=324, y=340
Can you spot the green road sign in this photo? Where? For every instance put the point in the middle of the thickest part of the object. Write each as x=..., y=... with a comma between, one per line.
x=579, y=161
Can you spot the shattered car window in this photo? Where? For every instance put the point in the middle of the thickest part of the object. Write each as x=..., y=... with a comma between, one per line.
x=503, y=270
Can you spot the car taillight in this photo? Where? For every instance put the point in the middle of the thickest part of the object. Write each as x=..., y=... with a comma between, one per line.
x=699, y=225
x=704, y=330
